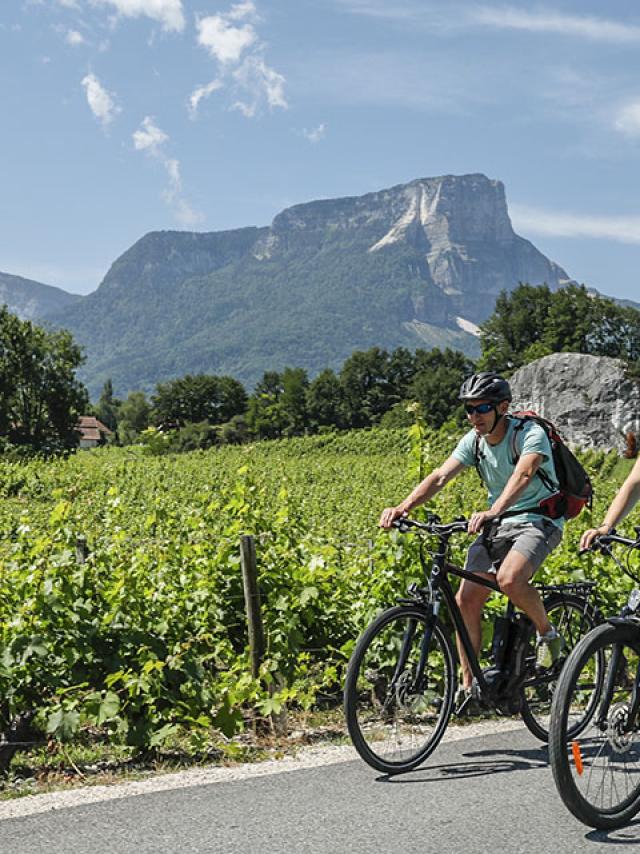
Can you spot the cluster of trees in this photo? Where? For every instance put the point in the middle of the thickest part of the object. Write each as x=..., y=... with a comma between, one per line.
x=372, y=387
x=40, y=397
x=533, y=321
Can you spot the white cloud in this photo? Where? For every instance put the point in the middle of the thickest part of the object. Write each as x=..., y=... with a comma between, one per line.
x=240, y=55
x=316, y=134
x=452, y=16
x=582, y=26
x=169, y=13
x=622, y=229
x=149, y=137
x=627, y=120
x=101, y=102
x=68, y=4
x=239, y=11
x=224, y=41
x=175, y=182
x=259, y=81
x=74, y=38
x=383, y=10
x=199, y=93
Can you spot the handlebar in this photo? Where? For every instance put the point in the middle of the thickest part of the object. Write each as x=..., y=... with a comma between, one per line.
x=600, y=543
x=603, y=545
x=431, y=526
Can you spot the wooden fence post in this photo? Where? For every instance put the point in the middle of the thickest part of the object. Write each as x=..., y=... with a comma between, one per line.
x=254, y=623
x=252, y=603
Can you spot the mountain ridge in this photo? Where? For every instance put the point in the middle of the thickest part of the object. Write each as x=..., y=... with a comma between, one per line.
x=417, y=264
x=32, y=300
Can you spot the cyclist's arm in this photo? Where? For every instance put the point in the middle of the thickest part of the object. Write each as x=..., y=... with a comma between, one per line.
x=425, y=490
x=523, y=474
x=627, y=497
x=525, y=470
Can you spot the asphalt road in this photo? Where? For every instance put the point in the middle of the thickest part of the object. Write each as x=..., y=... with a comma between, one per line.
x=493, y=793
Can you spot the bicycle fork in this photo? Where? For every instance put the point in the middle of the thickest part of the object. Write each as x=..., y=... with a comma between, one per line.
x=405, y=649
x=618, y=660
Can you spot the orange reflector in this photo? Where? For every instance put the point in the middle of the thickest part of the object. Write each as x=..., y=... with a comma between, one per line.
x=577, y=756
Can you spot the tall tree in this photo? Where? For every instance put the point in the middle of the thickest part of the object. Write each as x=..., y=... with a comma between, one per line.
x=367, y=390
x=134, y=416
x=516, y=324
x=265, y=414
x=325, y=401
x=533, y=321
x=203, y=397
x=436, y=383
x=40, y=396
x=107, y=407
x=294, y=400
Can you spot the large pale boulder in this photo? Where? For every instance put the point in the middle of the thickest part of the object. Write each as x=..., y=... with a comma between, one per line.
x=589, y=398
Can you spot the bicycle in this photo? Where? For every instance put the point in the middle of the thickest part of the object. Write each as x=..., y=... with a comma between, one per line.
x=598, y=774
x=401, y=678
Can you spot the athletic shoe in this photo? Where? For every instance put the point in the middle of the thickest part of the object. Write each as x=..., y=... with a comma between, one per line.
x=549, y=648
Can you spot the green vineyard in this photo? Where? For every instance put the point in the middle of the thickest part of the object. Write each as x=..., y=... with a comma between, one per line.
x=147, y=638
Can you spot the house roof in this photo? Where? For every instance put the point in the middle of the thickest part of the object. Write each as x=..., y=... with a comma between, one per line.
x=91, y=428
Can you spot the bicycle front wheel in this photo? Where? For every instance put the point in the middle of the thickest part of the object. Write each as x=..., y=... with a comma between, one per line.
x=598, y=772
x=399, y=689
x=573, y=618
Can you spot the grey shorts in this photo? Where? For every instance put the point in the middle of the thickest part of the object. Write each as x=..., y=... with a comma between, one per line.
x=534, y=540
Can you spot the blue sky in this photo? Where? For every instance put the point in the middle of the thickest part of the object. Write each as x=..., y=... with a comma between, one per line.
x=124, y=116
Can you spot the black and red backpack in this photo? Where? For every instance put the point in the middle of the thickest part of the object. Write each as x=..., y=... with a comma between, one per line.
x=574, y=490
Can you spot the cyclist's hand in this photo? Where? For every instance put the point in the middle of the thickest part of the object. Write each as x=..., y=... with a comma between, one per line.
x=479, y=520
x=586, y=540
x=389, y=515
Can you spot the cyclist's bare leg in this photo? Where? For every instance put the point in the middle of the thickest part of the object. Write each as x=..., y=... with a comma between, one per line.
x=513, y=579
x=471, y=598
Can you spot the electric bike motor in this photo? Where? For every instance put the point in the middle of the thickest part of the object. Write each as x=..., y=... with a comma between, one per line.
x=508, y=650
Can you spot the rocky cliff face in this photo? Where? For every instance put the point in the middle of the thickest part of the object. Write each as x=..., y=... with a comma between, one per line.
x=457, y=229
x=32, y=300
x=419, y=264
x=588, y=398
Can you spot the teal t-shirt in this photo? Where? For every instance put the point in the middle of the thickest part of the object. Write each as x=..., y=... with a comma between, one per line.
x=496, y=465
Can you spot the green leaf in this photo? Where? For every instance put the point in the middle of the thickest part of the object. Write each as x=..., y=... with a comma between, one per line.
x=270, y=706
x=63, y=723
x=162, y=735
x=308, y=594
x=109, y=707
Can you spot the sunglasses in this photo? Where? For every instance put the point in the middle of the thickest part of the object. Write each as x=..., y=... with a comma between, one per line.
x=481, y=408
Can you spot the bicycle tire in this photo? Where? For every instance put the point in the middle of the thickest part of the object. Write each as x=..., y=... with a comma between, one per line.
x=385, y=716
x=603, y=755
x=573, y=618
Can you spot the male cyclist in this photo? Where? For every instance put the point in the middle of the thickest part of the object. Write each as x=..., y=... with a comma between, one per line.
x=510, y=548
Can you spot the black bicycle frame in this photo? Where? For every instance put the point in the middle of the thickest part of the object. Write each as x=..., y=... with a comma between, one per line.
x=440, y=587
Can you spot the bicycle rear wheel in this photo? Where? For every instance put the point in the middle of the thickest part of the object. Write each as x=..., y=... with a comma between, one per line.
x=396, y=716
x=573, y=619
x=598, y=772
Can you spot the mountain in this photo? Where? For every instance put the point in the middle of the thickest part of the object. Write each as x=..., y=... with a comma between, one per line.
x=419, y=264
x=32, y=300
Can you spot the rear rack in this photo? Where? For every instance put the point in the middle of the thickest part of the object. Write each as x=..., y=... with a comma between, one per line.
x=583, y=587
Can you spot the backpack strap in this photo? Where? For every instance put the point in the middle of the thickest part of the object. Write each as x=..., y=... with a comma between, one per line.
x=477, y=456
x=515, y=456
